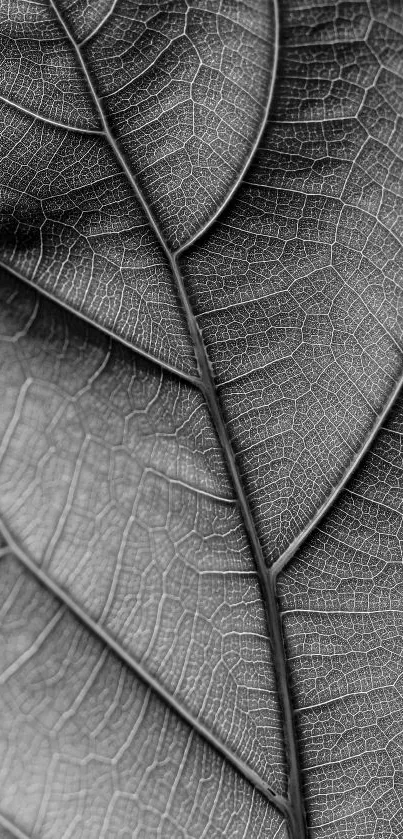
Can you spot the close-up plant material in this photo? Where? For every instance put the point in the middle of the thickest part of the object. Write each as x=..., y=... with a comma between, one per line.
x=201, y=424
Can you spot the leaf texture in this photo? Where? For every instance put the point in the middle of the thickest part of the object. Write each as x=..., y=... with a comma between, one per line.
x=123, y=501
x=341, y=599
x=173, y=578
x=297, y=289
x=173, y=99
x=82, y=729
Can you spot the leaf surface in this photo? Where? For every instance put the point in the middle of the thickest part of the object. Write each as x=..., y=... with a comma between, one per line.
x=341, y=599
x=123, y=501
x=93, y=749
x=171, y=101
x=170, y=494
x=297, y=289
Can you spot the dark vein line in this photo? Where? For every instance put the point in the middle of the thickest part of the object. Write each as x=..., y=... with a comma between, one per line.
x=141, y=672
x=290, y=552
x=294, y=809
x=148, y=356
x=12, y=828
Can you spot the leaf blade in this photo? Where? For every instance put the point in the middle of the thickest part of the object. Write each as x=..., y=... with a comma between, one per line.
x=296, y=289
x=109, y=734
x=341, y=603
x=138, y=524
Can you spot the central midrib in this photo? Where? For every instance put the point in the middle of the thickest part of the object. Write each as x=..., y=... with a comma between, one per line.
x=293, y=809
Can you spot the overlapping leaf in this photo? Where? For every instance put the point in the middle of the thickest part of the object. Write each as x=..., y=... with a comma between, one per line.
x=91, y=751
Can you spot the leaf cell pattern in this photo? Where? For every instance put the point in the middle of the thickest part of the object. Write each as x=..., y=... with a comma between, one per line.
x=137, y=518
x=82, y=729
x=297, y=289
x=192, y=649
x=341, y=602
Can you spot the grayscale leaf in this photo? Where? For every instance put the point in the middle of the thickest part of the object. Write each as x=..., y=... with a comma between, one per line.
x=201, y=430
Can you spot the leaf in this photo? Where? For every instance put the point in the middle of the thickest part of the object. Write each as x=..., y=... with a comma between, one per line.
x=168, y=89
x=116, y=460
x=192, y=648
x=341, y=602
x=102, y=743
